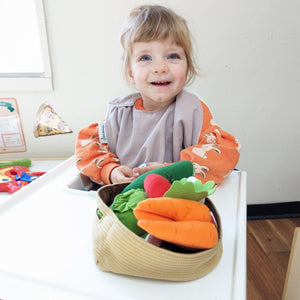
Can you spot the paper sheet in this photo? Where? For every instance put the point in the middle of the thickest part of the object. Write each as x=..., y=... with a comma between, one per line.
x=11, y=132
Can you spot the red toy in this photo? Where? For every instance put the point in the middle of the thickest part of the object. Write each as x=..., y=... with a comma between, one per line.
x=13, y=178
x=156, y=185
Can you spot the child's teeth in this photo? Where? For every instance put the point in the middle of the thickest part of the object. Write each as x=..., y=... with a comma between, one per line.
x=161, y=82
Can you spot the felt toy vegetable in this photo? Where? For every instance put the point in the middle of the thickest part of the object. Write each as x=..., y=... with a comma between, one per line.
x=190, y=190
x=209, y=186
x=123, y=206
x=156, y=185
x=21, y=162
x=175, y=209
x=180, y=221
x=172, y=172
x=193, y=234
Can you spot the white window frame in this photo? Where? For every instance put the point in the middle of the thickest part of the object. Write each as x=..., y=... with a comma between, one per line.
x=33, y=84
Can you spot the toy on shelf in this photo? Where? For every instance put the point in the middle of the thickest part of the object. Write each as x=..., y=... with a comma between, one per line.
x=13, y=178
x=20, y=162
x=168, y=205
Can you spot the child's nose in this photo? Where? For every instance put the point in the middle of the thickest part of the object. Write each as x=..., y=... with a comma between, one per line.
x=160, y=68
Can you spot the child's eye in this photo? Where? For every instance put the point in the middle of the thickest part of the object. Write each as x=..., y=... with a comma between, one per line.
x=173, y=56
x=145, y=58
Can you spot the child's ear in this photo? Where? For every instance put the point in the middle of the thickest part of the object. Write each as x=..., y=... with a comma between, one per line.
x=130, y=76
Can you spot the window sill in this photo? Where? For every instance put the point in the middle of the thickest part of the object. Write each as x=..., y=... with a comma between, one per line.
x=26, y=84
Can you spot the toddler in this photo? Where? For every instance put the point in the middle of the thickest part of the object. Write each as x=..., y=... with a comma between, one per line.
x=162, y=123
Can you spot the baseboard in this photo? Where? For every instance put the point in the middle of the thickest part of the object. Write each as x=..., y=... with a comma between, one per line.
x=273, y=210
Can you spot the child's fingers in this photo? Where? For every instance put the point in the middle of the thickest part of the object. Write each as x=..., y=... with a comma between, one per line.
x=149, y=167
x=122, y=174
x=118, y=178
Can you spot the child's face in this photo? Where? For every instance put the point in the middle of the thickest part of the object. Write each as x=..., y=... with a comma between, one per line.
x=158, y=69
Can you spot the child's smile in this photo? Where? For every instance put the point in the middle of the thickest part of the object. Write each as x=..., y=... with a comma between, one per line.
x=158, y=69
x=161, y=83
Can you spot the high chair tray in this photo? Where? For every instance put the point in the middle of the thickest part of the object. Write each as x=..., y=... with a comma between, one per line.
x=46, y=246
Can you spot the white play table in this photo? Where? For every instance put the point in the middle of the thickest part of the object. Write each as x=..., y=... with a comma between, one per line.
x=46, y=245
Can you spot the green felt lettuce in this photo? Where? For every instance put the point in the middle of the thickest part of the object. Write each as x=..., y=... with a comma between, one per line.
x=190, y=190
x=128, y=201
x=123, y=207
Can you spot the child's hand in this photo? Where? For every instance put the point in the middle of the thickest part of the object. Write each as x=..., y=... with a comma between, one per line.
x=149, y=166
x=122, y=174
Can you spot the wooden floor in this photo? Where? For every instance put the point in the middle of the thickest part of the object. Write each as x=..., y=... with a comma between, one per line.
x=268, y=248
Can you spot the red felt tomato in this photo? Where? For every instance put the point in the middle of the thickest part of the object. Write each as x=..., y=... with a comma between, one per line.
x=156, y=185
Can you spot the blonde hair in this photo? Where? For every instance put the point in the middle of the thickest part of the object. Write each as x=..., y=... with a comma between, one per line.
x=153, y=22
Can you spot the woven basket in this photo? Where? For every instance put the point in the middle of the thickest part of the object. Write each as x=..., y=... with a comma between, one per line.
x=119, y=250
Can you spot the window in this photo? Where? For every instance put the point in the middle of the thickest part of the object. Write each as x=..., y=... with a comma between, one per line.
x=24, y=55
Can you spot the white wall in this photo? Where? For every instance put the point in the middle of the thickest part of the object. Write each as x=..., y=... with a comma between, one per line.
x=249, y=55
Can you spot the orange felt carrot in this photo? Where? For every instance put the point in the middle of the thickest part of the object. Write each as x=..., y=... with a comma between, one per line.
x=193, y=234
x=145, y=215
x=176, y=209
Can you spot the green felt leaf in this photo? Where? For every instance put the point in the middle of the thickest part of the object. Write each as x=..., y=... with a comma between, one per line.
x=208, y=186
x=190, y=190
